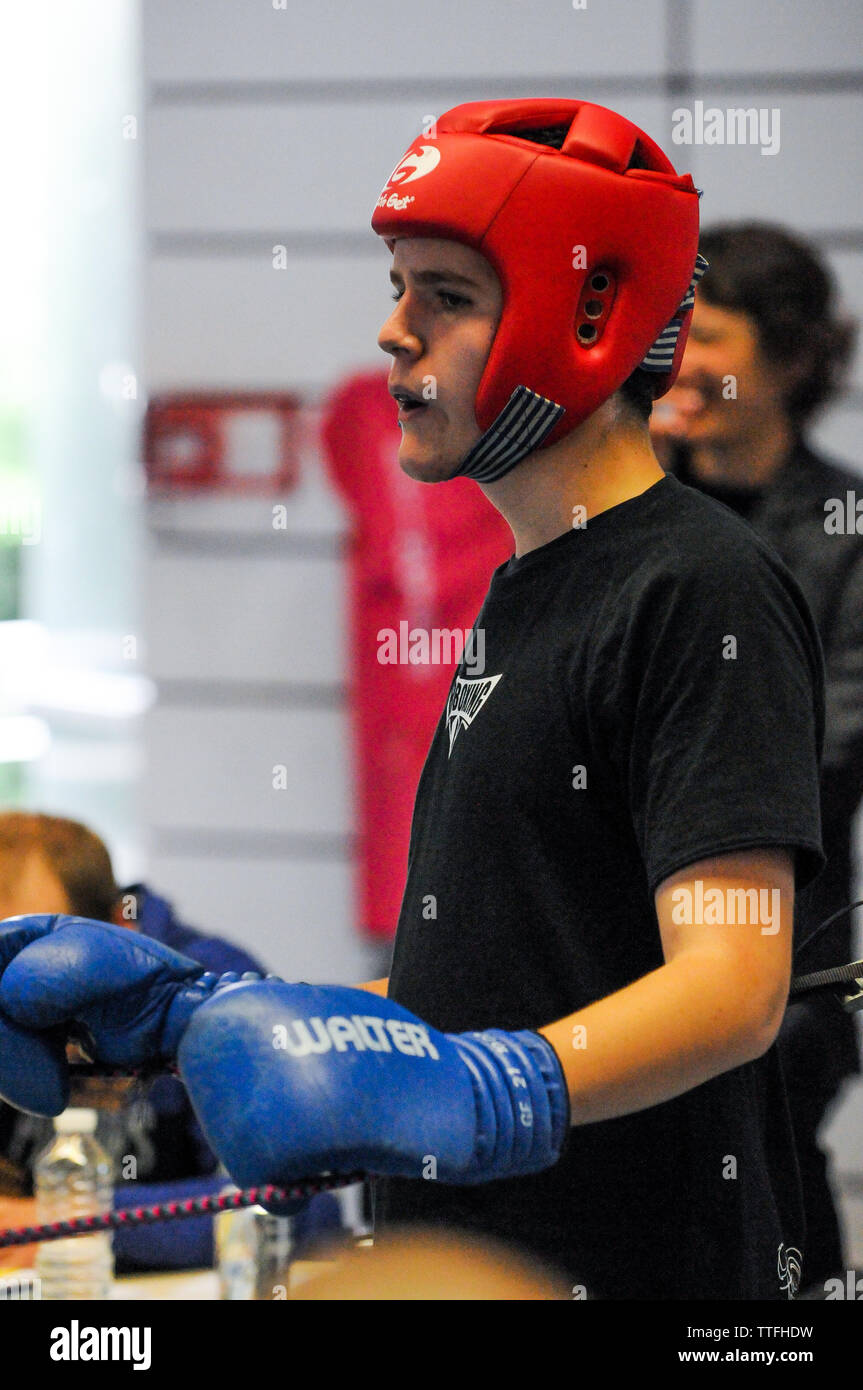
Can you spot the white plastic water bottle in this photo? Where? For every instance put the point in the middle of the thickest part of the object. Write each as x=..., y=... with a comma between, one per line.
x=72, y=1179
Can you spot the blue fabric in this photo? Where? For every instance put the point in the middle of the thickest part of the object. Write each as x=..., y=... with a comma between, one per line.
x=180, y=1244
x=156, y=919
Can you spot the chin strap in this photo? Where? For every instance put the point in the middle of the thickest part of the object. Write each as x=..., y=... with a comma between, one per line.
x=660, y=357
x=522, y=425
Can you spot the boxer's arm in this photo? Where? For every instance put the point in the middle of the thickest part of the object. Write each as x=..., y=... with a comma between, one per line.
x=474, y=1107
x=716, y=1003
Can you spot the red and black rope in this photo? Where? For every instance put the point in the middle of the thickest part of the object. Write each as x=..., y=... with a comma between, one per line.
x=168, y=1211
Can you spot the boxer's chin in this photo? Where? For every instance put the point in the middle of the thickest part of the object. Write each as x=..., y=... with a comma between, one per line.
x=431, y=461
x=428, y=470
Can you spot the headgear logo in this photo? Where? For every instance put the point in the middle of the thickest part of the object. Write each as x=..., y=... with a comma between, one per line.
x=416, y=165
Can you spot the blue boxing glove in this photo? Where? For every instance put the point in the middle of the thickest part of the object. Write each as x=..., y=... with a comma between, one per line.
x=123, y=996
x=289, y=1081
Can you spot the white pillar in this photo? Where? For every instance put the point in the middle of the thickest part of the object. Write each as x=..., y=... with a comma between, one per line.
x=83, y=122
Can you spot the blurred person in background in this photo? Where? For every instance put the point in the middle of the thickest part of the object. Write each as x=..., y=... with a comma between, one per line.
x=50, y=864
x=423, y=1265
x=766, y=350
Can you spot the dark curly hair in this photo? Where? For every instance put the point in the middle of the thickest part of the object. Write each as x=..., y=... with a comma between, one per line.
x=789, y=293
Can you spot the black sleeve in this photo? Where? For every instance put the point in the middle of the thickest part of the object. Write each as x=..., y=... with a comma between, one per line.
x=843, y=748
x=712, y=685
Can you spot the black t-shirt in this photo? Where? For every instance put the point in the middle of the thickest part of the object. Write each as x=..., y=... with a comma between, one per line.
x=652, y=695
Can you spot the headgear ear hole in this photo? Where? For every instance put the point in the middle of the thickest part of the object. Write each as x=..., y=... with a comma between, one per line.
x=597, y=297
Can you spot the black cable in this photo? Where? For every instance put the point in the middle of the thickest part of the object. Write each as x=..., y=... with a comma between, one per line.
x=822, y=926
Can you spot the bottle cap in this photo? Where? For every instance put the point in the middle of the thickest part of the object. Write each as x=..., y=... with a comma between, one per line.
x=76, y=1121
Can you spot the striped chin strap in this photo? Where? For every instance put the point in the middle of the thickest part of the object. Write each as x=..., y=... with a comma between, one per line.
x=528, y=418
x=660, y=358
x=520, y=428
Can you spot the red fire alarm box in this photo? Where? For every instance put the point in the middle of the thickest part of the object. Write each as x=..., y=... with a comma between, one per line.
x=238, y=441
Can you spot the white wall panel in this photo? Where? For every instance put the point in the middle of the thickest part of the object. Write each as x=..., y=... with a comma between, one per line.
x=227, y=618
x=242, y=324
x=801, y=184
x=839, y=432
x=406, y=40
x=212, y=769
x=782, y=36
x=243, y=168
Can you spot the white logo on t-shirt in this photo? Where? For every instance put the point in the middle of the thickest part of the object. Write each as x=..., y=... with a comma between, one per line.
x=466, y=699
x=789, y=1265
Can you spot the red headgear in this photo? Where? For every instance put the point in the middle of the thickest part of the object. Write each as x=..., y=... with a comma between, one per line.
x=597, y=260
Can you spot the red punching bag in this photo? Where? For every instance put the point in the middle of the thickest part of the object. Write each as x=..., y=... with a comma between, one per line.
x=420, y=559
